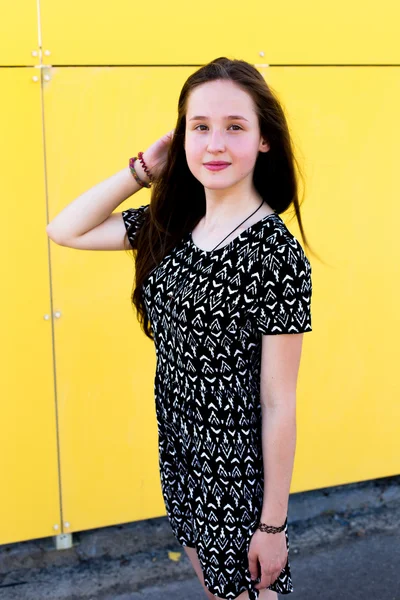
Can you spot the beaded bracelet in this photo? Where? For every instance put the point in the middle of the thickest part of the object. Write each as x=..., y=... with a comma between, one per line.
x=145, y=169
x=271, y=528
x=136, y=176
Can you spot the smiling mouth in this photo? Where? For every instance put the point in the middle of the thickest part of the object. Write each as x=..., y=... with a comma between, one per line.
x=216, y=168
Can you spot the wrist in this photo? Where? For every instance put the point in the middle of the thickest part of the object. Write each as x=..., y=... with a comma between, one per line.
x=141, y=172
x=275, y=519
x=268, y=528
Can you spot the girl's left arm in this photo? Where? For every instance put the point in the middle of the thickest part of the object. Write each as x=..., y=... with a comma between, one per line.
x=280, y=361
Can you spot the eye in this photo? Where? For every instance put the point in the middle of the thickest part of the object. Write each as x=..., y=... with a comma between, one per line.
x=197, y=128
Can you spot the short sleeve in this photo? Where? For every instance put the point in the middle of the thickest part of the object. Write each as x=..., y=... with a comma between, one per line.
x=284, y=300
x=133, y=219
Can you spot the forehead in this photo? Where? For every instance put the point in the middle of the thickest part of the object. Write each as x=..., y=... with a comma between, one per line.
x=219, y=98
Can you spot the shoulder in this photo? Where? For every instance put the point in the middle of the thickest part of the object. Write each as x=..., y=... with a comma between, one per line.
x=280, y=247
x=133, y=219
x=133, y=215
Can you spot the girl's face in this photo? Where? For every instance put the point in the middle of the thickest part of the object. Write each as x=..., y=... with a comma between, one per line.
x=222, y=126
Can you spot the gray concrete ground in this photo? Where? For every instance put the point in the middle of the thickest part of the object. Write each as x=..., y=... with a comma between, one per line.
x=360, y=569
x=344, y=544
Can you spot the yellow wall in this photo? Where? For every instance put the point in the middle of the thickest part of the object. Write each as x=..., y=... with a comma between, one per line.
x=78, y=439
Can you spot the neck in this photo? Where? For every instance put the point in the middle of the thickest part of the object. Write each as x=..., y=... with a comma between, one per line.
x=229, y=206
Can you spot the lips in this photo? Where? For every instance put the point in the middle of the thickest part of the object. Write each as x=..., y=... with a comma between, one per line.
x=217, y=163
x=216, y=166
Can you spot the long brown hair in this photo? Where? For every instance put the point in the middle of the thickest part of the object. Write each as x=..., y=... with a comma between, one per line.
x=178, y=198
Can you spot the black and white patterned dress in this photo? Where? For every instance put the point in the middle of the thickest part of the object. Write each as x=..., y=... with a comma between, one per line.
x=207, y=386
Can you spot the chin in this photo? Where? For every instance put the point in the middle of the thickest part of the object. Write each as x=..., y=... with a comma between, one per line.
x=217, y=183
x=218, y=186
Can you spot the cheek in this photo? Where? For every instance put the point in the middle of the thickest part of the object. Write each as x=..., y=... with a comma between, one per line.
x=193, y=144
x=194, y=152
x=244, y=154
x=244, y=149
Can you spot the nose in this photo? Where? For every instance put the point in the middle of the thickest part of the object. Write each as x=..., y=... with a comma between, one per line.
x=216, y=142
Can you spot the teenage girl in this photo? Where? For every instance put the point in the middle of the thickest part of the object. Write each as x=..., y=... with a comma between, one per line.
x=224, y=290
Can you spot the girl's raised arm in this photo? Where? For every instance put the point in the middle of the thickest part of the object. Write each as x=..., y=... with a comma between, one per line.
x=89, y=223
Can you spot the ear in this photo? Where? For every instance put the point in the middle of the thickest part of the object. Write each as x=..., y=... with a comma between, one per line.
x=264, y=146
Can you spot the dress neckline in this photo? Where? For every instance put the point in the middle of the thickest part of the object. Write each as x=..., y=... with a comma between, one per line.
x=239, y=237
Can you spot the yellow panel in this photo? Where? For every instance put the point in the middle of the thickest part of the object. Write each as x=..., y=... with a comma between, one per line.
x=95, y=119
x=347, y=130
x=29, y=501
x=308, y=32
x=18, y=33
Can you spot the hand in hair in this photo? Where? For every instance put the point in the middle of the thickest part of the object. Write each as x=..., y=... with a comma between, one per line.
x=156, y=155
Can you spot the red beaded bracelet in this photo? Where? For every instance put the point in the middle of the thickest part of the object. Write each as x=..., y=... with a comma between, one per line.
x=135, y=175
x=145, y=168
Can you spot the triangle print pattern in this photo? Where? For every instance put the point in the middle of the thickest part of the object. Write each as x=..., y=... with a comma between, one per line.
x=208, y=311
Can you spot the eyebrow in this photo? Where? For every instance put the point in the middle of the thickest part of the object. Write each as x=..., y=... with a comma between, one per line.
x=202, y=118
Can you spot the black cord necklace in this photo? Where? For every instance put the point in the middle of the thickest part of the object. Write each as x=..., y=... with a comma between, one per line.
x=175, y=293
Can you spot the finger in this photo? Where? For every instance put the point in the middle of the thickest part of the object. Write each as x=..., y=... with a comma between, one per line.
x=253, y=566
x=167, y=137
x=267, y=580
x=264, y=579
